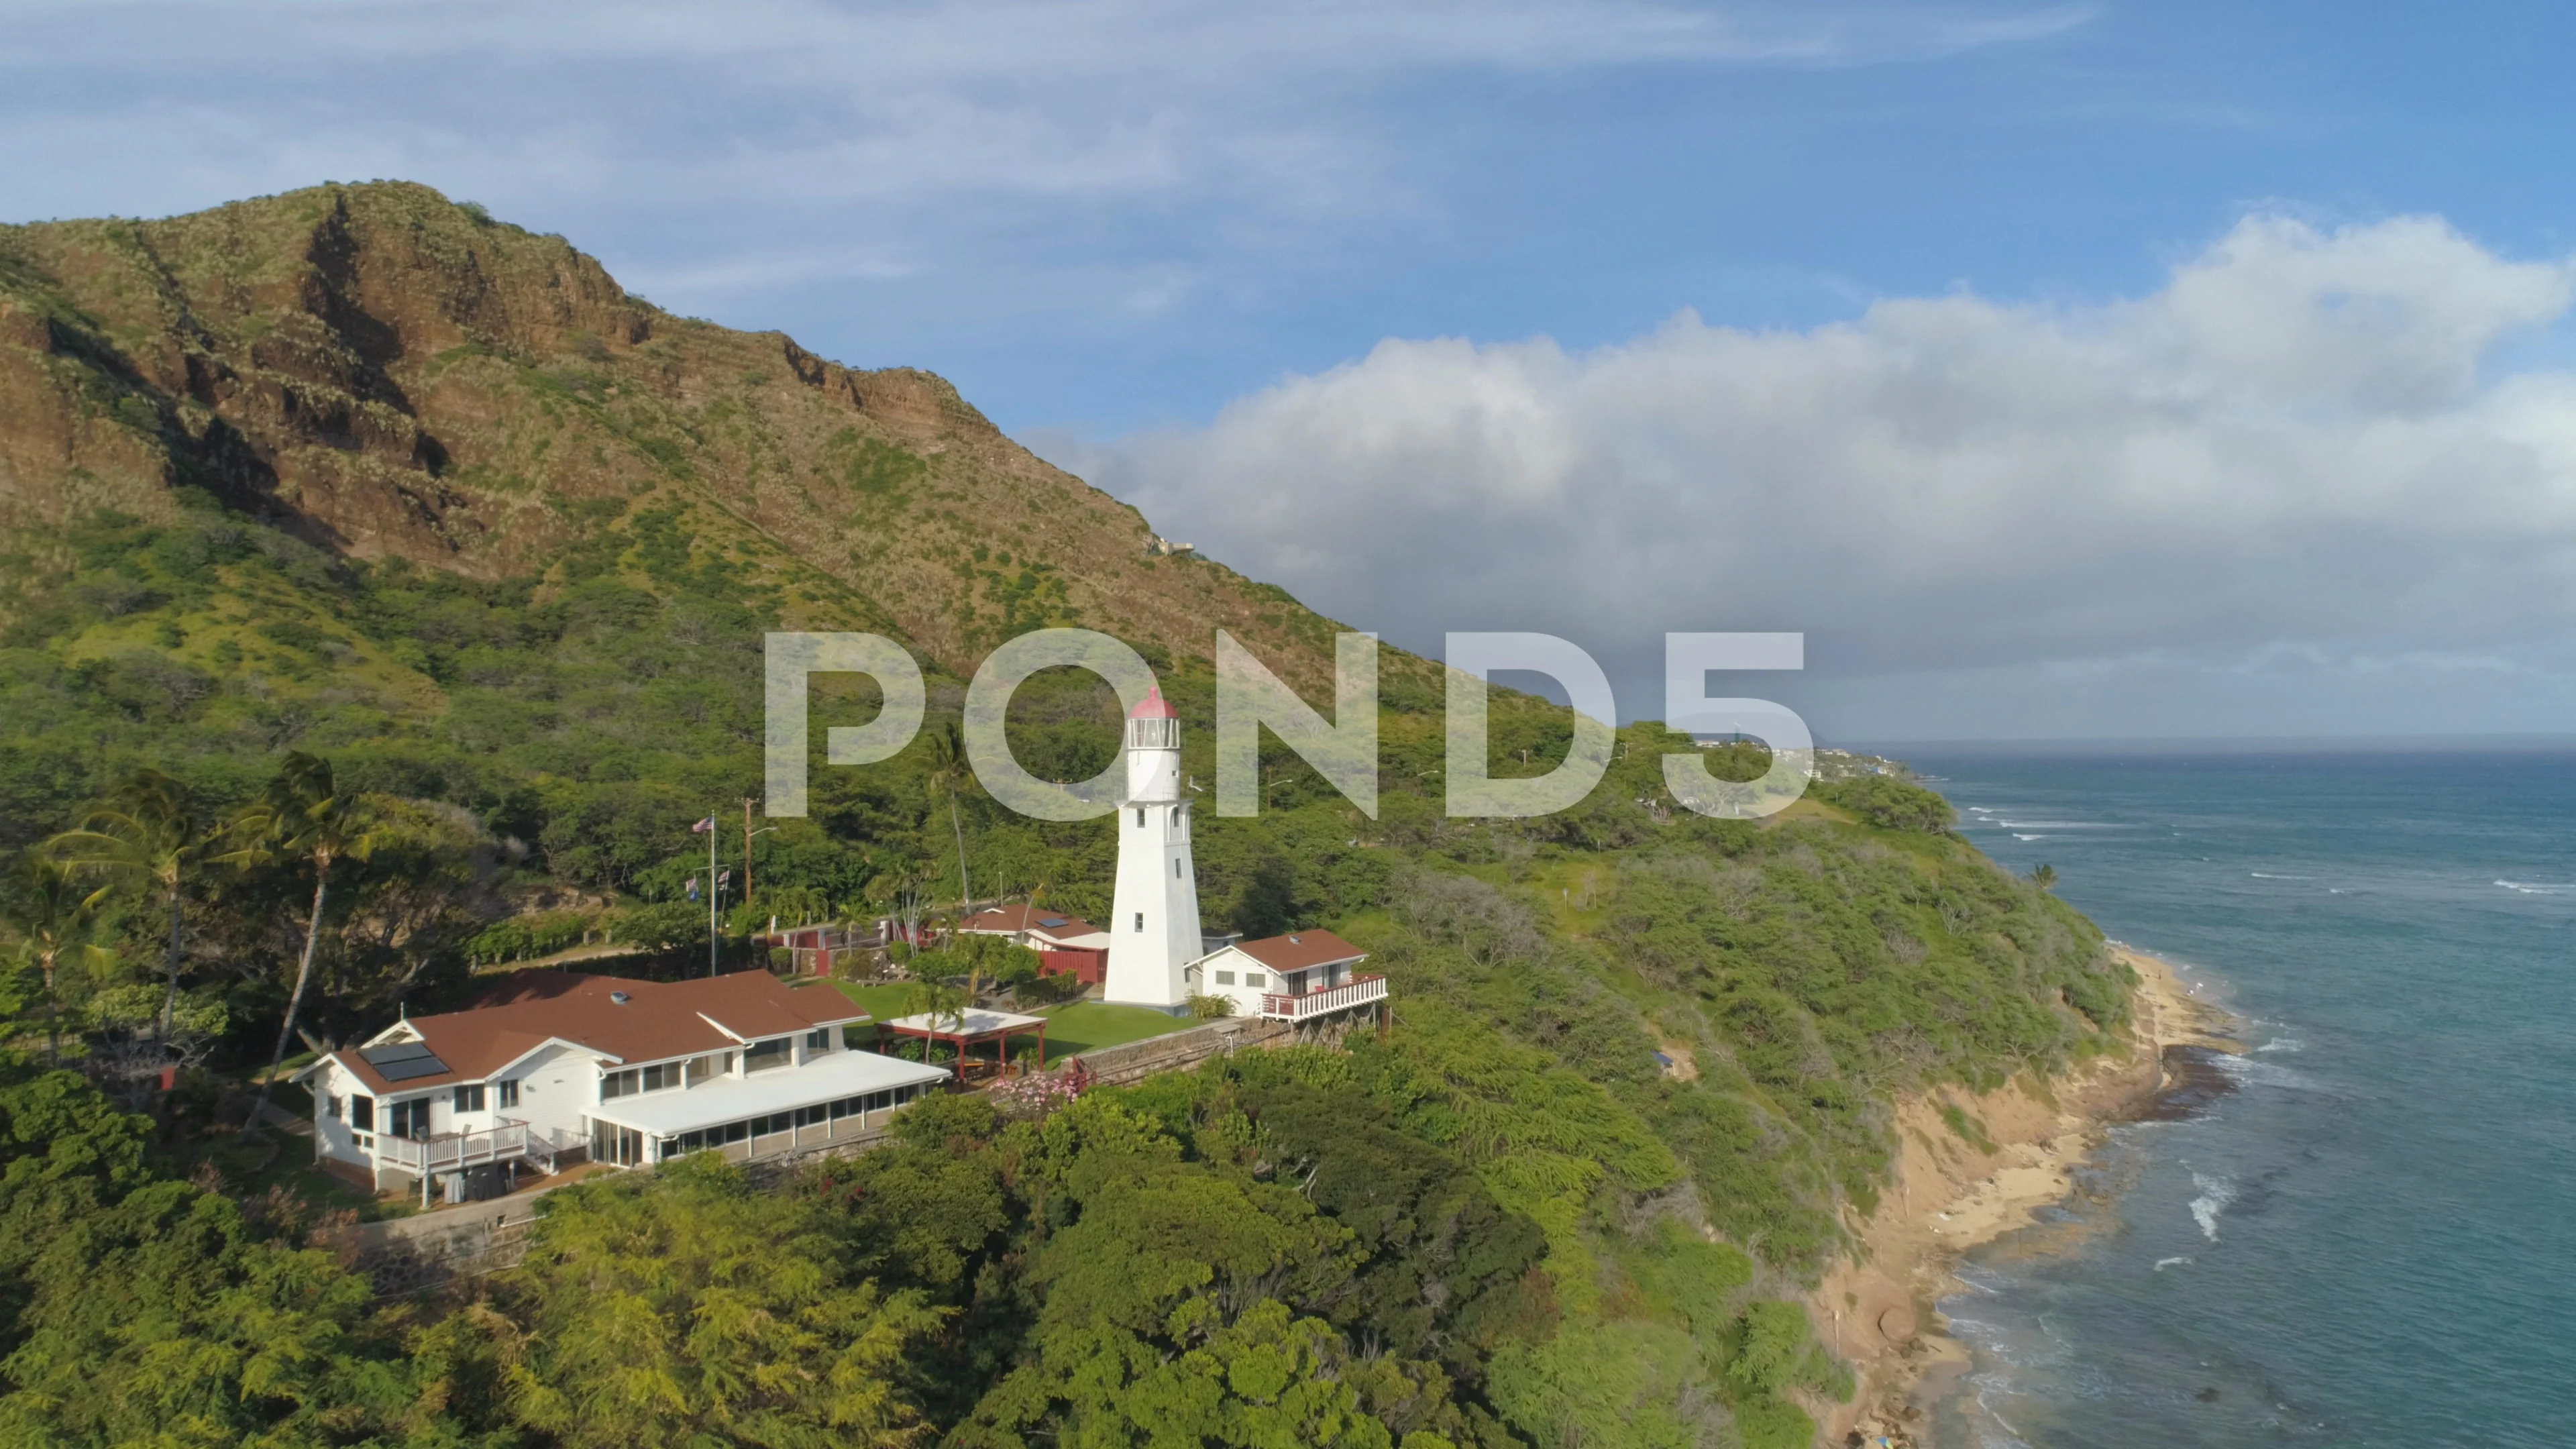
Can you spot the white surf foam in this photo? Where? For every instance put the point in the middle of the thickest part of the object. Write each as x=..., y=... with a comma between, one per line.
x=2215, y=1194
x=2250, y=1072
x=2164, y=1263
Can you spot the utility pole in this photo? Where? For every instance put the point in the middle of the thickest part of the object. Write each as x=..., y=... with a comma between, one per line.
x=711, y=894
x=747, y=802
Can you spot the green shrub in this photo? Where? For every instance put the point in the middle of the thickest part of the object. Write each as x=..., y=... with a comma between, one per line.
x=1889, y=803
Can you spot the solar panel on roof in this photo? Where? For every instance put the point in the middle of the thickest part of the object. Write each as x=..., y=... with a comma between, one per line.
x=1051, y=920
x=403, y=1061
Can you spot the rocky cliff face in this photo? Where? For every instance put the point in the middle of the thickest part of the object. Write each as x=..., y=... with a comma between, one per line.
x=391, y=375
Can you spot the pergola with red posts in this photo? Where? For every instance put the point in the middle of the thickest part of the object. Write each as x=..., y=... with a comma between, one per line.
x=966, y=1030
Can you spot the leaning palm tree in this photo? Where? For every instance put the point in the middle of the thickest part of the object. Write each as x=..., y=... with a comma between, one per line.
x=950, y=775
x=939, y=1002
x=303, y=815
x=149, y=836
x=52, y=913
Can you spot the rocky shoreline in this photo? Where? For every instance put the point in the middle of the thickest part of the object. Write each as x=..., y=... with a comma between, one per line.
x=1952, y=1191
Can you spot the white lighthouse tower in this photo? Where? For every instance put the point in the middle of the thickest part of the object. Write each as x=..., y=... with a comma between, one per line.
x=1154, y=920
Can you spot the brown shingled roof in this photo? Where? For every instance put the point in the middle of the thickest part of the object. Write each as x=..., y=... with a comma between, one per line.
x=1301, y=950
x=1015, y=919
x=657, y=1021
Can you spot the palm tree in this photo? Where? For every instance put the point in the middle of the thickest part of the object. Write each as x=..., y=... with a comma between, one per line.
x=950, y=775
x=937, y=1000
x=305, y=815
x=148, y=834
x=2044, y=877
x=52, y=915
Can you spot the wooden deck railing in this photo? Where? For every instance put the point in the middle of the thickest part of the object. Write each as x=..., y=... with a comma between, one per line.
x=1358, y=991
x=456, y=1151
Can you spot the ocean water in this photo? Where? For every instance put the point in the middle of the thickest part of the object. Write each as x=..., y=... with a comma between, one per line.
x=2372, y=1241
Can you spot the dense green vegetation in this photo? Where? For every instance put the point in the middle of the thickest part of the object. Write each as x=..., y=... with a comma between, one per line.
x=1279, y=1249
x=1508, y=1224
x=259, y=792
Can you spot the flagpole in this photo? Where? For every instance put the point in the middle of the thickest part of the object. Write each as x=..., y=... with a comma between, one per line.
x=711, y=893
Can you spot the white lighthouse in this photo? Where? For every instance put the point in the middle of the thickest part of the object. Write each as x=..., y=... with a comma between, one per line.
x=1154, y=920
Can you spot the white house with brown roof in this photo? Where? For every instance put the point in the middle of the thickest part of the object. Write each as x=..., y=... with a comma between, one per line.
x=554, y=1064
x=1300, y=977
x=1035, y=928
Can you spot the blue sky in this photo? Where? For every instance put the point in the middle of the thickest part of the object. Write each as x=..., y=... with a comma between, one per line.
x=1211, y=256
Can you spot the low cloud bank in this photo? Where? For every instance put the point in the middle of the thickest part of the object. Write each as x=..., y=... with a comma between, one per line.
x=2338, y=449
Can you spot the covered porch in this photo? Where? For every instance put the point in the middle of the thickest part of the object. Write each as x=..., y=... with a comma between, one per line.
x=1358, y=991
x=831, y=1098
x=967, y=1030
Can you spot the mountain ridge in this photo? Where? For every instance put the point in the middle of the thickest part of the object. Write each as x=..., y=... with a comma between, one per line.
x=388, y=374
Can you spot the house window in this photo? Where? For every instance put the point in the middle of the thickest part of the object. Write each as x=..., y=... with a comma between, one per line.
x=661, y=1076
x=611, y=1143
x=1140, y=920
x=819, y=1039
x=702, y=1068
x=778, y=1051
x=1255, y=979
x=510, y=1092
x=408, y=1118
x=1225, y=978
x=468, y=1098
x=331, y=1106
x=362, y=1113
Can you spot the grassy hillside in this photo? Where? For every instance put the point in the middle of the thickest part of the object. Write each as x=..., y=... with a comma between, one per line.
x=357, y=472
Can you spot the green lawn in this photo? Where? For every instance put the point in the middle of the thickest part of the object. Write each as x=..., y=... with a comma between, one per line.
x=1090, y=1025
x=881, y=1002
x=1081, y=1026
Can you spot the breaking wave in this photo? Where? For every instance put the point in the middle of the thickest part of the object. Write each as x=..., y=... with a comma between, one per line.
x=2215, y=1194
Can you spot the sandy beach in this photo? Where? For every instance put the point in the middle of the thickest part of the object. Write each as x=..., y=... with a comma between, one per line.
x=1952, y=1192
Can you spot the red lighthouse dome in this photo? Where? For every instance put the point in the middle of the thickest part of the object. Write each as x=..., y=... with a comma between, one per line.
x=1155, y=706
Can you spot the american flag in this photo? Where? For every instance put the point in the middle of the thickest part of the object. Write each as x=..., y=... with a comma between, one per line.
x=703, y=826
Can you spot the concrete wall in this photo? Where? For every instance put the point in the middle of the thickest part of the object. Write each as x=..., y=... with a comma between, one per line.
x=1119, y=1065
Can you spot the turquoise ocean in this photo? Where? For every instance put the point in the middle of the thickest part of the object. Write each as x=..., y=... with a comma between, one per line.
x=2372, y=1239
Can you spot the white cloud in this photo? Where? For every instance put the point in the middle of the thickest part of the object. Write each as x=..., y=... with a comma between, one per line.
x=2303, y=438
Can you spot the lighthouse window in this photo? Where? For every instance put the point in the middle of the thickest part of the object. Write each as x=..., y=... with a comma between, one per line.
x=1140, y=816
x=1140, y=920
x=1176, y=870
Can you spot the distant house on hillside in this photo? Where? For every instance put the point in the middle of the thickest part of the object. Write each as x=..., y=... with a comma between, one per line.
x=1299, y=977
x=553, y=1066
x=1065, y=943
x=817, y=950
